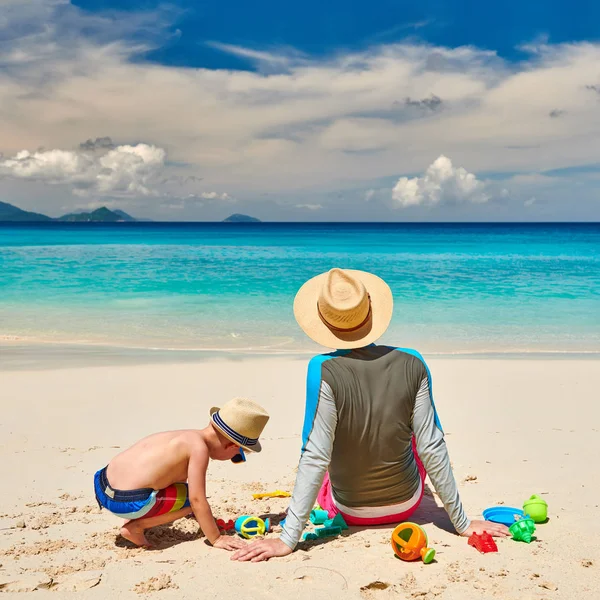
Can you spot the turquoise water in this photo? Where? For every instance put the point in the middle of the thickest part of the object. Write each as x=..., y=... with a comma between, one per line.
x=457, y=287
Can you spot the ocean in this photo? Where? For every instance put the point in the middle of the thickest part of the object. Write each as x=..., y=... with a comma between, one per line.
x=193, y=287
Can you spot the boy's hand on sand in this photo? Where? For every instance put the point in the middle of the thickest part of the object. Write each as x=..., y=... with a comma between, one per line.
x=262, y=550
x=478, y=527
x=226, y=542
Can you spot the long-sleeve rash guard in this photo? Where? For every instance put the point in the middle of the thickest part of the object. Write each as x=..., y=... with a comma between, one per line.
x=363, y=408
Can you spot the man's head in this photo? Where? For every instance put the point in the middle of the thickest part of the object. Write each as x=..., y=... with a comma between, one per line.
x=238, y=424
x=344, y=308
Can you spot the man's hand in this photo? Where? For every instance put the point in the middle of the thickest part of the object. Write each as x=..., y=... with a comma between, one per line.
x=494, y=529
x=228, y=542
x=262, y=550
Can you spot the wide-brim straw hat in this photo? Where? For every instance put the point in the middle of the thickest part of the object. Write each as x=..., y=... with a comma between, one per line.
x=344, y=308
x=241, y=421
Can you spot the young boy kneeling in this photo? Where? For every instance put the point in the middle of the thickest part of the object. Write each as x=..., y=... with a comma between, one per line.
x=145, y=484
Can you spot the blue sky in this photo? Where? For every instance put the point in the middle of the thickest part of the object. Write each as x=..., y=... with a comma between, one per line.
x=368, y=110
x=320, y=28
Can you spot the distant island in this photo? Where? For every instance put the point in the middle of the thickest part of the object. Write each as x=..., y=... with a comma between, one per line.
x=8, y=212
x=237, y=218
x=100, y=215
x=13, y=214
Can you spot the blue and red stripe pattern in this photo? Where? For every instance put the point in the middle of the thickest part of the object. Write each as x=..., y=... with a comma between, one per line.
x=142, y=503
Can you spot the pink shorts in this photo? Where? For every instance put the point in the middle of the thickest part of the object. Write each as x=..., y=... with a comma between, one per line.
x=325, y=501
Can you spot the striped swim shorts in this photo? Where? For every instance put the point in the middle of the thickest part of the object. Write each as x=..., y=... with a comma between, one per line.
x=142, y=503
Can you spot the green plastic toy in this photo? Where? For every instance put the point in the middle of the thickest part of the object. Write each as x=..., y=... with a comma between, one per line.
x=536, y=508
x=318, y=516
x=522, y=530
x=322, y=532
x=337, y=521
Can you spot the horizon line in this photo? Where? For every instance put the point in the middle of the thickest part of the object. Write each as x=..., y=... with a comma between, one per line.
x=144, y=221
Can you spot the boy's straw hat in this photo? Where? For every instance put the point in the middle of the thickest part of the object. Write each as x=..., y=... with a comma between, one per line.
x=344, y=308
x=241, y=421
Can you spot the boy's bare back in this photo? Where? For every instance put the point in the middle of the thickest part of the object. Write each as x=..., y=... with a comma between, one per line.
x=156, y=461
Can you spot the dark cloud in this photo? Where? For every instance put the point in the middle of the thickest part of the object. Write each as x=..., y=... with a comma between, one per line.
x=593, y=88
x=181, y=179
x=556, y=113
x=432, y=103
x=101, y=143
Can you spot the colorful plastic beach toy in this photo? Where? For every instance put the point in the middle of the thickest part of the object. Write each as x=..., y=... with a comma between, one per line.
x=225, y=525
x=318, y=516
x=522, y=530
x=506, y=515
x=248, y=526
x=409, y=542
x=275, y=494
x=337, y=521
x=322, y=532
x=536, y=508
x=484, y=543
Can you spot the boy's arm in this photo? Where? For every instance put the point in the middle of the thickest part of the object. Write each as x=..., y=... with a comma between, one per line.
x=197, y=468
x=432, y=450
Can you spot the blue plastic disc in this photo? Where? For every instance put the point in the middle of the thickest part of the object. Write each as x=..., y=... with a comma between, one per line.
x=502, y=514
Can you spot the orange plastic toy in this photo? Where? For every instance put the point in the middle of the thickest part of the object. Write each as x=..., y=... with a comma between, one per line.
x=409, y=542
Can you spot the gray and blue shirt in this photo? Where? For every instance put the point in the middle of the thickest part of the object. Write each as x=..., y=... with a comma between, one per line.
x=363, y=407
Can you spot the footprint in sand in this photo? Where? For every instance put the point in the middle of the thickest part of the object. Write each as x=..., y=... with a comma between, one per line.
x=374, y=589
x=26, y=583
x=76, y=582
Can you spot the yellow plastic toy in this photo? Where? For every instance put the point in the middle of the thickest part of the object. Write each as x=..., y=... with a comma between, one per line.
x=249, y=526
x=275, y=494
x=409, y=542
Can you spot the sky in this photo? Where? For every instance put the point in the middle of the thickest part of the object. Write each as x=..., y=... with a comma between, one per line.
x=386, y=110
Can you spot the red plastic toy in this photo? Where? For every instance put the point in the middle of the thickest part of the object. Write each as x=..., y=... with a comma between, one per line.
x=484, y=542
x=225, y=525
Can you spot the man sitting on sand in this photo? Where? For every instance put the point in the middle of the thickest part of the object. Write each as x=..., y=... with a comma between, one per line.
x=146, y=483
x=371, y=431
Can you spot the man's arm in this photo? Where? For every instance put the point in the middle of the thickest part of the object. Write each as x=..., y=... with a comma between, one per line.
x=197, y=468
x=434, y=454
x=319, y=432
x=432, y=450
x=314, y=462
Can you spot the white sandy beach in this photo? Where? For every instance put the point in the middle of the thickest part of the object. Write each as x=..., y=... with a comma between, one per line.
x=513, y=427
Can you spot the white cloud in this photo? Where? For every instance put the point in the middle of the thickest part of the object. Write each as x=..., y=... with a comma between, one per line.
x=310, y=206
x=215, y=196
x=273, y=59
x=122, y=171
x=53, y=166
x=441, y=183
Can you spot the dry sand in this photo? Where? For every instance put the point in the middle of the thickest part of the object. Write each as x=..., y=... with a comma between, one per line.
x=514, y=428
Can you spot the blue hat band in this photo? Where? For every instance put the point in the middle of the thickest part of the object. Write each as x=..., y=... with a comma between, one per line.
x=234, y=435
